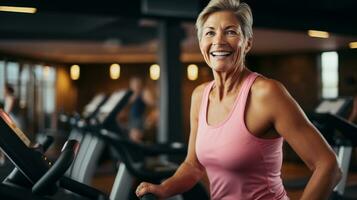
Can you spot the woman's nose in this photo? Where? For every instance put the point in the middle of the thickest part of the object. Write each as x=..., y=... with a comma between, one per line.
x=219, y=39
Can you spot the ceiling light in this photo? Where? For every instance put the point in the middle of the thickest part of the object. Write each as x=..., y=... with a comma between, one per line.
x=353, y=45
x=154, y=72
x=318, y=34
x=18, y=9
x=192, y=72
x=114, y=71
x=75, y=72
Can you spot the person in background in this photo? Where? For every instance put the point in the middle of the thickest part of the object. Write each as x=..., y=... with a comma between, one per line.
x=9, y=99
x=240, y=120
x=11, y=104
x=139, y=101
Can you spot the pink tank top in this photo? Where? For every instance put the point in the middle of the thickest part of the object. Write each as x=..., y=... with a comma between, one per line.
x=239, y=165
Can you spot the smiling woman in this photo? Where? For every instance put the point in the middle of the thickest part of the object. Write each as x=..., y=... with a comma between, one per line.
x=240, y=120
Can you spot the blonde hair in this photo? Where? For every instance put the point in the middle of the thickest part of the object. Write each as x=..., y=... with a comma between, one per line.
x=241, y=10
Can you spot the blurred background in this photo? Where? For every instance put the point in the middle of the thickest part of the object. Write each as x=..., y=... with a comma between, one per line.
x=57, y=55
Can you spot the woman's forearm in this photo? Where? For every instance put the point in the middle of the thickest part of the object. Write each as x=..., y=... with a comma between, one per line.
x=184, y=179
x=322, y=182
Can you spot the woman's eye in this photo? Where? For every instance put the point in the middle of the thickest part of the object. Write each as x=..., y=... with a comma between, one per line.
x=230, y=32
x=209, y=33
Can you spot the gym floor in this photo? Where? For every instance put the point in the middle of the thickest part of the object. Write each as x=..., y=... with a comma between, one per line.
x=290, y=171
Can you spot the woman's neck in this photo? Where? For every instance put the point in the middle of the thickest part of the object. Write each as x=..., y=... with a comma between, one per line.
x=228, y=83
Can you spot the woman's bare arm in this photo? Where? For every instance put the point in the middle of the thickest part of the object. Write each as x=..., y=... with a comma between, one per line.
x=292, y=124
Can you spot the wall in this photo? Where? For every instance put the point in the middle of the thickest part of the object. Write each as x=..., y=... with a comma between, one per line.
x=66, y=91
x=297, y=72
x=348, y=73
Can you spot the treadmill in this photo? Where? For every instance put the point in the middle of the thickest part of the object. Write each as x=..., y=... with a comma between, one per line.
x=89, y=111
x=92, y=147
x=34, y=176
x=76, y=121
x=102, y=130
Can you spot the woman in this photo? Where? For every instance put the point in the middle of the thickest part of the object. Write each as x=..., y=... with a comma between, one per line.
x=233, y=119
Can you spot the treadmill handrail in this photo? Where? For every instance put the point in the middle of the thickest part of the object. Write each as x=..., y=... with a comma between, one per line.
x=148, y=196
x=46, y=184
x=146, y=149
x=123, y=145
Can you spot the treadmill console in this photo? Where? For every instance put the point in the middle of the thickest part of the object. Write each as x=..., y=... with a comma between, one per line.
x=7, y=119
x=340, y=106
x=93, y=106
x=17, y=147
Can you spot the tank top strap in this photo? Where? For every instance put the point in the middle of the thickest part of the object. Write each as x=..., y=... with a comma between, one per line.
x=204, y=101
x=247, y=84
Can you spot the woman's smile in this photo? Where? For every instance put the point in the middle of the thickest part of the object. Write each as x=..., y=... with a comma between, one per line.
x=220, y=54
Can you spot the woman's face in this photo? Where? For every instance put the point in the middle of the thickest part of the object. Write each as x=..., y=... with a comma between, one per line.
x=222, y=43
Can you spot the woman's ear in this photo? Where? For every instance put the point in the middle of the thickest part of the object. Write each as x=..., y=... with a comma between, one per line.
x=248, y=45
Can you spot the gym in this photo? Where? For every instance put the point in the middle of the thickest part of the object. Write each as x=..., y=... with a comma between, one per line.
x=96, y=97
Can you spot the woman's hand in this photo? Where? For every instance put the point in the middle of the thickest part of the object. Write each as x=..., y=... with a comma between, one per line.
x=145, y=188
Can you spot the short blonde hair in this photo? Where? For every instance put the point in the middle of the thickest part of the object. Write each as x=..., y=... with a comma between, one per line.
x=241, y=10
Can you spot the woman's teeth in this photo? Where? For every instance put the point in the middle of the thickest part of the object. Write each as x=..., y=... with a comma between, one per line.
x=221, y=53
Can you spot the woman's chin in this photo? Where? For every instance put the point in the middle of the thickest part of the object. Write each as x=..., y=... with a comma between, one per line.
x=221, y=68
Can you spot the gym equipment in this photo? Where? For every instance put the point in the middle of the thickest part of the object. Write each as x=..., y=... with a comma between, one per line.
x=68, y=122
x=83, y=167
x=131, y=167
x=148, y=197
x=89, y=111
x=35, y=176
x=93, y=142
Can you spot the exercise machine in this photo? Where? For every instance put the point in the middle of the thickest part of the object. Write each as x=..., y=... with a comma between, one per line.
x=92, y=147
x=34, y=176
x=131, y=168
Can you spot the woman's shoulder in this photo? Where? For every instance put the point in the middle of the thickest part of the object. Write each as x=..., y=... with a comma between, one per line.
x=198, y=91
x=264, y=88
x=200, y=88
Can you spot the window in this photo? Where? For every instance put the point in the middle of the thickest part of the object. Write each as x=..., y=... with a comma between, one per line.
x=49, y=75
x=25, y=85
x=329, y=74
x=46, y=80
x=12, y=74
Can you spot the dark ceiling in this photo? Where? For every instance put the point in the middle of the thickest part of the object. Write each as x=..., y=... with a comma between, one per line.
x=133, y=22
x=337, y=16
x=103, y=19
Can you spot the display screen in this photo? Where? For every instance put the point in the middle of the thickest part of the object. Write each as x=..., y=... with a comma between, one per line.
x=7, y=119
x=330, y=106
x=92, y=106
